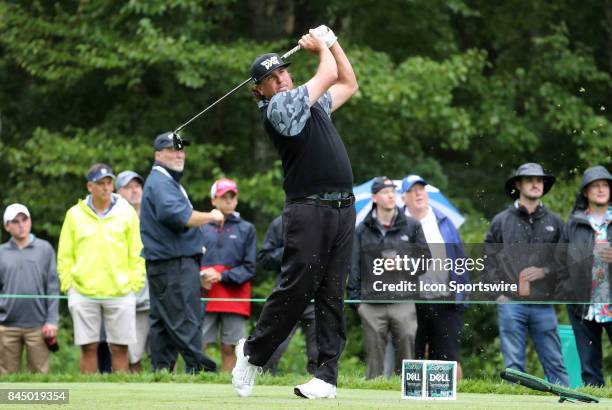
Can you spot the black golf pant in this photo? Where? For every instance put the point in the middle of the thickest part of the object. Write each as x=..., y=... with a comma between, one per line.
x=176, y=314
x=307, y=323
x=316, y=261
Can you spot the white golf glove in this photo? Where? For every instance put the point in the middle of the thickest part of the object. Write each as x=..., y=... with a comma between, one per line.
x=326, y=34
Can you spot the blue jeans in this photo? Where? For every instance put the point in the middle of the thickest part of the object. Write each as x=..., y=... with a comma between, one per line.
x=541, y=322
x=588, y=341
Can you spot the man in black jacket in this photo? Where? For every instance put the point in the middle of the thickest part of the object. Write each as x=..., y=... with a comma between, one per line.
x=520, y=250
x=270, y=257
x=172, y=250
x=587, y=258
x=385, y=233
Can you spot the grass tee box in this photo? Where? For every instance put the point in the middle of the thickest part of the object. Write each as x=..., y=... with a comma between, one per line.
x=429, y=380
x=197, y=396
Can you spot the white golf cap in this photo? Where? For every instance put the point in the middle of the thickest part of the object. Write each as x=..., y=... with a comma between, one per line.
x=13, y=210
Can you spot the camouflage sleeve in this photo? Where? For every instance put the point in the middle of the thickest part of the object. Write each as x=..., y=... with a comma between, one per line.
x=326, y=102
x=288, y=111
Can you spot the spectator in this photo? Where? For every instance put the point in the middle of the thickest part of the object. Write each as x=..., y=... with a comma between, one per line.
x=129, y=186
x=439, y=324
x=173, y=250
x=513, y=256
x=228, y=265
x=100, y=268
x=270, y=256
x=384, y=229
x=27, y=267
x=587, y=276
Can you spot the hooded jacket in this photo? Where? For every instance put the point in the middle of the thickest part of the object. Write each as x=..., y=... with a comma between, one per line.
x=369, y=238
x=517, y=240
x=576, y=248
x=576, y=253
x=590, y=175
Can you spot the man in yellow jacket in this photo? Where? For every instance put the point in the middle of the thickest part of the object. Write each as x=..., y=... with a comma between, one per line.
x=100, y=268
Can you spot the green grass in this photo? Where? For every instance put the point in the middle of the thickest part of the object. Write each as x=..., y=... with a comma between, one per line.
x=117, y=395
x=345, y=380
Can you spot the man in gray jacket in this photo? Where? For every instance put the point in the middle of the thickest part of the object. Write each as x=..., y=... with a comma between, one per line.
x=27, y=267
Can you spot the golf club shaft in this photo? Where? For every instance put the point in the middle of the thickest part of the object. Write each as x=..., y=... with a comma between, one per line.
x=211, y=105
x=287, y=54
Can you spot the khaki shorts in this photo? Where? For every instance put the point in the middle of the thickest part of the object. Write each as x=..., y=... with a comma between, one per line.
x=119, y=315
x=232, y=328
x=12, y=342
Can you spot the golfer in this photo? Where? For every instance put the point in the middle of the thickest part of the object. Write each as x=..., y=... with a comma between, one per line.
x=319, y=216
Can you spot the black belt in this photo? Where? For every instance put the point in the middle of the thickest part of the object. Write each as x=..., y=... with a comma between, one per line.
x=334, y=203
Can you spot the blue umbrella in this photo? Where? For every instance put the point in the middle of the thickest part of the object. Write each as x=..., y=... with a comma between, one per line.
x=363, y=201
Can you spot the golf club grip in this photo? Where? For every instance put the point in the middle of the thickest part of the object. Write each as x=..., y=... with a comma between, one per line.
x=523, y=381
x=291, y=52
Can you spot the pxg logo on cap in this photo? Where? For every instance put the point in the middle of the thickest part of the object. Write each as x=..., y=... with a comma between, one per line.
x=272, y=61
x=429, y=380
x=265, y=64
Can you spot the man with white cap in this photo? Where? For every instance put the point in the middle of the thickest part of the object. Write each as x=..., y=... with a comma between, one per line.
x=27, y=266
x=100, y=268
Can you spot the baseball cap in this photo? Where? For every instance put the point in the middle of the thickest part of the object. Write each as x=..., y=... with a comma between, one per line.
x=380, y=183
x=99, y=171
x=165, y=140
x=125, y=177
x=410, y=180
x=265, y=64
x=221, y=186
x=13, y=210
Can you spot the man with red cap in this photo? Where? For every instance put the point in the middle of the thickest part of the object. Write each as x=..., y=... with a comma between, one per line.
x=228, y=265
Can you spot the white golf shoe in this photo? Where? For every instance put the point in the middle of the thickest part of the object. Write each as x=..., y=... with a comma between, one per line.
x=244, y=373
x=316, y=389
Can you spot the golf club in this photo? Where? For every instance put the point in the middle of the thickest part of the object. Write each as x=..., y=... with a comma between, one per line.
x=176, y=138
